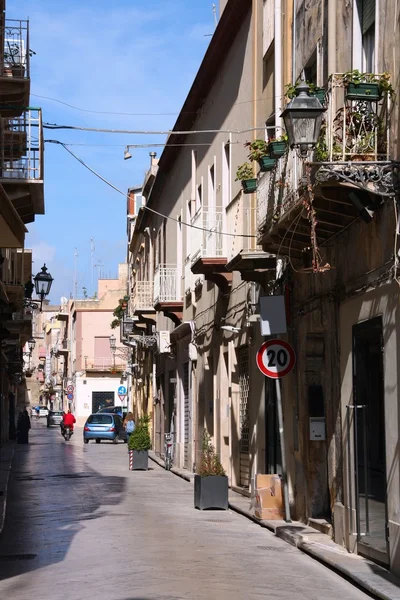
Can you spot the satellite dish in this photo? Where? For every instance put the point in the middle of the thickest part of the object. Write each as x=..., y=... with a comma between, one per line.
x=63, y=301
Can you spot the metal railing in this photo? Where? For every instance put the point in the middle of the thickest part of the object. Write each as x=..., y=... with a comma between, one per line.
x=240, y=221
x=354, y=135
x=12, y=269
x=105, y=363
x=166, y=284
x=15, y=52
x=206, y=241
x=21, y=146
x=142, y=295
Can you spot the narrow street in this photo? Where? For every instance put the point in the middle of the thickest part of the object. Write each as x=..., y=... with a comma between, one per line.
x=80, y=525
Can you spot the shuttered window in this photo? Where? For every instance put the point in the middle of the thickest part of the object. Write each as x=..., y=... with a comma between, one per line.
x=366, y=10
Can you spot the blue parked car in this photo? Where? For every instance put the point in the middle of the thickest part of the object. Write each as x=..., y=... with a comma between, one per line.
x=104, y=426
x=113, y=410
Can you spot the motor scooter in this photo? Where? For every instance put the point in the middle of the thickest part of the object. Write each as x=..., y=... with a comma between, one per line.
x=67, y=432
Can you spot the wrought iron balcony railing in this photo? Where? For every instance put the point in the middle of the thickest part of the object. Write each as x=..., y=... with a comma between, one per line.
x=15, y=52
x=206, y=241
x=21, y=147
x=353, y=149
x=142, y=296
x=167, y=284
x=12, y=267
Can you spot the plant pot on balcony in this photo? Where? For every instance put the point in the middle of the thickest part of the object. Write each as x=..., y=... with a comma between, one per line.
x=363, y=91
x=277, y=149
x=267, y=163
x=249, y=185
x=211, y=492
x=320, y=94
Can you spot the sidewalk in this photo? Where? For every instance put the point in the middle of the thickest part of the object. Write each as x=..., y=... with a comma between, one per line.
x=6, y=456
x=369, y=576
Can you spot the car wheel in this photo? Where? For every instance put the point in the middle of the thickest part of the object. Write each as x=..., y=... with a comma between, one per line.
x=85, y=441
x=98, y=441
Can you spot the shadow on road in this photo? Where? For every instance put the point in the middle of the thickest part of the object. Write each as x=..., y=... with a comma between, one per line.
x=52, y=492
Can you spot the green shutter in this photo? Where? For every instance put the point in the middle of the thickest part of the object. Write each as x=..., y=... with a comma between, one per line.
x=367, y=15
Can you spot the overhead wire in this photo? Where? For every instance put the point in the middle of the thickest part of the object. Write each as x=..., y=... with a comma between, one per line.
x=83, y=163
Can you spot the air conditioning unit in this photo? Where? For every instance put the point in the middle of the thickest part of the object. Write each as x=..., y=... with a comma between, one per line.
x=163, y=342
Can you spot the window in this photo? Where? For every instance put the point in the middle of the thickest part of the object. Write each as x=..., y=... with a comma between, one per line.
x=311, y=69
x=226, y=174
x=100, y=419
x=194, y=173
x=199, y=197
x=364, y=35
x=211, y=188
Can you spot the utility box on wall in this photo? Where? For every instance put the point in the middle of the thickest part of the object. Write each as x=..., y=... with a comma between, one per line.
x=317, y=429
x=272, y=315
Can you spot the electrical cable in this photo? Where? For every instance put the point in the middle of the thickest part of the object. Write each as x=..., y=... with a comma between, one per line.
x=145, y=207
x=150, y=132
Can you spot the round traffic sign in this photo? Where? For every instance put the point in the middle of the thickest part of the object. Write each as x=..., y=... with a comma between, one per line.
x=276, y=358
x=122, y=390
x=70, y=396
x=70, y=388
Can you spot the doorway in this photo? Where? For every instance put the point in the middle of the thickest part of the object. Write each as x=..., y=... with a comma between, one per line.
x=369, y=440
x=273, y=460
x=102, y=400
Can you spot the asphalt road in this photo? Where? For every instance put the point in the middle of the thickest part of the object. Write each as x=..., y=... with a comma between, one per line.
x=81, y=526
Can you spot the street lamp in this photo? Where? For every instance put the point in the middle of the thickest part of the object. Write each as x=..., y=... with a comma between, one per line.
x=42, y=284
x=31, y=345
x=303, y=120
x=113, y=347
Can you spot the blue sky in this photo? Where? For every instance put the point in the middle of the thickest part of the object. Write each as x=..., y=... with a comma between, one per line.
x=124, y=56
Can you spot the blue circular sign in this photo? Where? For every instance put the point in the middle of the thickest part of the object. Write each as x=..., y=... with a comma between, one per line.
x=121, y=390
x=70, y=396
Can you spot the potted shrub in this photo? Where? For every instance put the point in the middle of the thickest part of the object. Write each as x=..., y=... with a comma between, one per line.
x=291, y=91
x=258, y=150
x=139, y=445
x=211, y=482
x=245, y=175
x=366, y=86
x=277, y=146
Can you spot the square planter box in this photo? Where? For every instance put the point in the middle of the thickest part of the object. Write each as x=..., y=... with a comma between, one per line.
x=140, y=460
x=267, y=163
x=320, y=94
x=249, y=186
x=211, y=492
x=277, y=149
x=363, y=91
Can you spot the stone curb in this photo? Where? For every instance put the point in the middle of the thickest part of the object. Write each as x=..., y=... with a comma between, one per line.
x=384, y=585
x=5, y=469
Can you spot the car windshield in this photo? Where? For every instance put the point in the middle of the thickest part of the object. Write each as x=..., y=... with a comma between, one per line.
x=100, y=419
x=57, y=413
x=107, y=409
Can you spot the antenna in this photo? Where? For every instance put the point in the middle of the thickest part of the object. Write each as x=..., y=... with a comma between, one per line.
x=99, y=265
x=76, y=273
x=92, y=249
x=214, y=9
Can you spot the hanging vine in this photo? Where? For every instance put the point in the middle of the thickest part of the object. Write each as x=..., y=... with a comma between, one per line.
x=308, y=203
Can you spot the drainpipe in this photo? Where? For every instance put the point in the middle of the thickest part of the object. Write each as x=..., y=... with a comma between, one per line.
x=278, y=66
x=332, y=36
x=253, y=197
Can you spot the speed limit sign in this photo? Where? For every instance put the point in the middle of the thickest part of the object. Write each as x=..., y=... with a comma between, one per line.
x=276, y=358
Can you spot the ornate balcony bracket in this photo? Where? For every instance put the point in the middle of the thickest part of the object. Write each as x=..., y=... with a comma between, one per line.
x=172, y=310
x=378, y=178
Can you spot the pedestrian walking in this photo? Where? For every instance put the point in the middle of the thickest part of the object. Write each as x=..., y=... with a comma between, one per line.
x=23, y=427
x=129, y=425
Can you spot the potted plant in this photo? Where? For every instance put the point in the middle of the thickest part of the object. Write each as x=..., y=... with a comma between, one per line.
x=258, y=150
x=366, y=86
x=211, y=482
x=291, y=91
x=277, y=146
x=245, y=175
x=139, y=445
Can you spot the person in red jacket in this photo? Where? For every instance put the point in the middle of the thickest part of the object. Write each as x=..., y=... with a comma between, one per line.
x=68, y=421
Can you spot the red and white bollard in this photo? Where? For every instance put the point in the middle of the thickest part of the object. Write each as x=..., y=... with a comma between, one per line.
x=131, y=460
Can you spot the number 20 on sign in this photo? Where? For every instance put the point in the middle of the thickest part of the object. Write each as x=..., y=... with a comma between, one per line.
x=276, y=358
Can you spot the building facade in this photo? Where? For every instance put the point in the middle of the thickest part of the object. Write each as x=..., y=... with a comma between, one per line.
x=320, y=230
x=21, y=198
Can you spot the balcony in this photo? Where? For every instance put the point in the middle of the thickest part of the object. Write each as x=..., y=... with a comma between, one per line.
x=242, y=252
x=14, y=67
x=106, y=363
x=167, y=292
x=15, y=271
x=21, y=163
x=349, y=176
x=61, y=348
x=207, y=251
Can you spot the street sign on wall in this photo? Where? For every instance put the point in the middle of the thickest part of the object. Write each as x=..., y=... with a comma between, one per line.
x=276, y=358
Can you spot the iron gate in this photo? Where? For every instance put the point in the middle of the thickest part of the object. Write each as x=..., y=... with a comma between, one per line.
x=101, y=400
x=244, y=387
